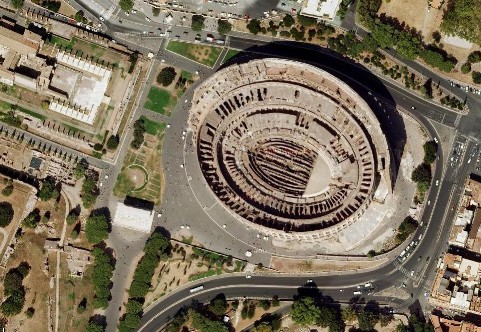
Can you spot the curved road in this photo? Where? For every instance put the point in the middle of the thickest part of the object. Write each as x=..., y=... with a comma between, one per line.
x=435, y=227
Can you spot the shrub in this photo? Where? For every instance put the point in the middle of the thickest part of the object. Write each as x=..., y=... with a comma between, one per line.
x=139, y=131
x=30, y=312
x=166, y=76
x=17, y=3
x=48, y=190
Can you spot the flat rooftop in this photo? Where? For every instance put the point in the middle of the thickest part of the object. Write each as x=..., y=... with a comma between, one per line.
x=133, y=218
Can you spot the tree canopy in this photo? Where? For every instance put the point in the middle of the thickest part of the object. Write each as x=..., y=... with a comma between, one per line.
x=32, y=219
x=101, y=275
x=89, y=192
x=206, y=324
x=6, y=214
x=476, y=75
x=463, y=18
x=223, y=27
x=166, y=76
x=254, y=26
x=305, y=311
x=17, y=3
x=113, y=142
x=48, y=190
x=96, y=228
x=430, y=151
x=288, y=21
x=126, y=5
x=422, y=173
x=198, y=22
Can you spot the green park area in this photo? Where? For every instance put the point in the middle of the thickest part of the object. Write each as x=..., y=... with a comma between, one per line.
x=141, y=175
x=160, y=100
x=206, y=55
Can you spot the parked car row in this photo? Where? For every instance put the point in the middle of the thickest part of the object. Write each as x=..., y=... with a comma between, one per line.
x=465, y=87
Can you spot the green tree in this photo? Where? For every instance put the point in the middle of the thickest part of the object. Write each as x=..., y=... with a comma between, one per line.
x=113, y=142
x=198, y=22
x=95, y=327
x=466, y=67
x=422, y=173
x=139, y=131
x=430, y=151
x=205, y=324
x=8, y=190
x=476, y=75
x=223, y=27
x=6, y=214
x=79, y=16
x=96, y=228
x=101, y=275
x=126, y=5
x=12, y=282
x=32, y=220
x=367, y=319
x=89, y=192
x=17, y=3
x=306, y=21
x=166, y=76
x=48, y=190
x=305, y=311
x=254, y=26
x=30, y=312
x=463, y=18
x=349, y=314
x=288, y=21
x=474, y=57
x=13, y=305
x=218, y=305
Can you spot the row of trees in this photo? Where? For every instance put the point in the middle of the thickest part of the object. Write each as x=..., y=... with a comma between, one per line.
x=157, y=248
x=422, y=173
x=407, y=43
x=139, y=131
x=103, y=270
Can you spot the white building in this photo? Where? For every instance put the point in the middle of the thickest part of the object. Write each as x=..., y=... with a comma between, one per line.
x=322, y=9
x=133, y=218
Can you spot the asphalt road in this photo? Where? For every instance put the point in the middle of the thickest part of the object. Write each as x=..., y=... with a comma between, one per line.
x=437, y=215
x=436, y=222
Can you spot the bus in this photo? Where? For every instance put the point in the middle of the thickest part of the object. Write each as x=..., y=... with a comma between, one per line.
x=196, y=289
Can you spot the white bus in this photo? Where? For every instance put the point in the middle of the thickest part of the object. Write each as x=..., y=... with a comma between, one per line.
x=196, y=289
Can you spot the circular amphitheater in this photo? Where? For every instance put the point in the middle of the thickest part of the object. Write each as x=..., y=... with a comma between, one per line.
x=288, y=148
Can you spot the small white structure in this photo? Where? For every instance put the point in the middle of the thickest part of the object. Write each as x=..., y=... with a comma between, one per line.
x=133, y=218
x=323, y=9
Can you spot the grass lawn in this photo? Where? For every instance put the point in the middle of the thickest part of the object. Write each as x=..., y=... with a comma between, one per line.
x=206, y=55
x=230, y=54
x=159, y=100
x=32, y=113
x=152, y=127
x=62, y=42
x=186, y=75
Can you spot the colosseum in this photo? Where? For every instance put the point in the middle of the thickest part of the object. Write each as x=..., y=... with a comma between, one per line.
x=288, y=148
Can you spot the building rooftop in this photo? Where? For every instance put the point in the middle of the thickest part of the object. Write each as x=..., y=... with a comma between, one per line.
x=325, y=9
x=133, y=218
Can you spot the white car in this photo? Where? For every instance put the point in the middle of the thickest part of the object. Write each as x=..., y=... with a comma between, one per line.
x=248, y=253
x=248, y=276
x=412, y=273
x=101, y=18
x=127, y=13
x=148, y=19
x=437, y=182
x=413, y=108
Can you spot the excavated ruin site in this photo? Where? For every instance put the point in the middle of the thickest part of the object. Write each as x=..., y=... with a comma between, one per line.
x=288, y=148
